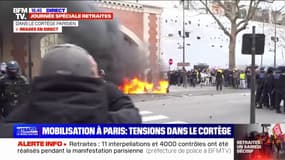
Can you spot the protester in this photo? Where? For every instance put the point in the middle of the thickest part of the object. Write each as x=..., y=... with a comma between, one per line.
x=242, y=77
x=219, y=80
x=70, y=90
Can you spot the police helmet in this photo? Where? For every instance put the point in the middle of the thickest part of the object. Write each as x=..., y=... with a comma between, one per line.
x=270, y=69
x=277, y=71
x=13, y=66
x=281, y=69
x=262, y=68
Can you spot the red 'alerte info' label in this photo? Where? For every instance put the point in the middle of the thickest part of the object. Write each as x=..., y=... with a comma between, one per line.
x=72, y=16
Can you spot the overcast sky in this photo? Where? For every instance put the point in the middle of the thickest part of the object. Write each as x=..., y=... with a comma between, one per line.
x=277, y=4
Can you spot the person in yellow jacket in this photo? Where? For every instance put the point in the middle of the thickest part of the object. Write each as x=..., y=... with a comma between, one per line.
x=242, y=78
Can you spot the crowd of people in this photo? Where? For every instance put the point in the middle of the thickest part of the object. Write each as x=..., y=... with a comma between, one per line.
x=211, y=77
x=270, y=82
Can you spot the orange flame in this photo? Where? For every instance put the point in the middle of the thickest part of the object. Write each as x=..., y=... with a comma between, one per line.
x=137, y=86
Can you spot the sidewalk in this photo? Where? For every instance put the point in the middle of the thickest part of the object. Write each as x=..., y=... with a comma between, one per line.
x=175, y=91
x=179, y=89
x=183, y=89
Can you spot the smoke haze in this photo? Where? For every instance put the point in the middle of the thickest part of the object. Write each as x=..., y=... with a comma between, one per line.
x=103, y=39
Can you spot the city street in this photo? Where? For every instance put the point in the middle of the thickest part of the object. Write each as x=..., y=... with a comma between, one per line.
x=201, y=105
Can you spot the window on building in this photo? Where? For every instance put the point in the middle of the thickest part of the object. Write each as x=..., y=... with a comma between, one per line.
x=187, y=34
x=50, y=40
x=170, y=35
x=179, y=32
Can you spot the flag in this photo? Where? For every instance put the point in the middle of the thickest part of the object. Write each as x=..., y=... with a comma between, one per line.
x=277, y=130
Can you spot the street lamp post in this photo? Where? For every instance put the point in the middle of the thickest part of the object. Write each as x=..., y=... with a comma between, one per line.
x=261, y=61
x=275, y=40
x=206, y=7
x=183, y=36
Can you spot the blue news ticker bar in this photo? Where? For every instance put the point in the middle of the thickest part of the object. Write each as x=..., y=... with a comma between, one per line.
x=123, y=131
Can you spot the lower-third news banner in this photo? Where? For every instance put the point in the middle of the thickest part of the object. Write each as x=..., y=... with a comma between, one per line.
x=120, y=142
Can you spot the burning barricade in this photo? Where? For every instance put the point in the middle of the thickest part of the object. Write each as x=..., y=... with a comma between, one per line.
x=137, y=86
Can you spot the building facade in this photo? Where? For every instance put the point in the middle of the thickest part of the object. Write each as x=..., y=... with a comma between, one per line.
x=140, y=23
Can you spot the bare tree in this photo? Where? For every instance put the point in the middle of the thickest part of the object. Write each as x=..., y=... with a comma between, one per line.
x=276, y=15
x=231, y=9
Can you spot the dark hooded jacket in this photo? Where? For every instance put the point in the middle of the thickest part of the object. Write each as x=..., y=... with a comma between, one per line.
x=70, y=99
x=121, y=107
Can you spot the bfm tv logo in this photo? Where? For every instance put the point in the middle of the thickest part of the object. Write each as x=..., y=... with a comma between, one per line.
x=27, y=131
x=20, y=13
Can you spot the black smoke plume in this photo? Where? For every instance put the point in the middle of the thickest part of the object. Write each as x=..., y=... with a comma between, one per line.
x=102, y=39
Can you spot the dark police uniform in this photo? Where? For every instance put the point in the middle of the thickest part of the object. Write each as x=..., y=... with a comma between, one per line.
x=12, y=92
x=279, y=88
x=260, y=78
x=267, y=89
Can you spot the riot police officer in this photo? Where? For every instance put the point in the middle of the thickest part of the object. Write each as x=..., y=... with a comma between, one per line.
x=279, y=87
x=267, y=89
x=13, y=86
x=260, y=77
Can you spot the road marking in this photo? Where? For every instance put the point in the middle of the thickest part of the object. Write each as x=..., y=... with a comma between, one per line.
x=176, y=122
x=145, y=112
x=147, y=117
x=153, y=118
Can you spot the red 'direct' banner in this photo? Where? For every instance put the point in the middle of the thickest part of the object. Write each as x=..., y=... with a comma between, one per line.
x=72, y=16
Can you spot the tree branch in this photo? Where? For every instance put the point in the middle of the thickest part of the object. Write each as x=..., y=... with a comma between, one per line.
x=254, y=9
x=222, y=5
x=250, y=14
x=281, y=8
x=242, y=28
x=238, y=10
x=217, y=20
x=276, y=14
x=228, y=14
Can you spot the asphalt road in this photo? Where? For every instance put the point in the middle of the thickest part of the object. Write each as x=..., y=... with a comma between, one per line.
x=201, y=105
